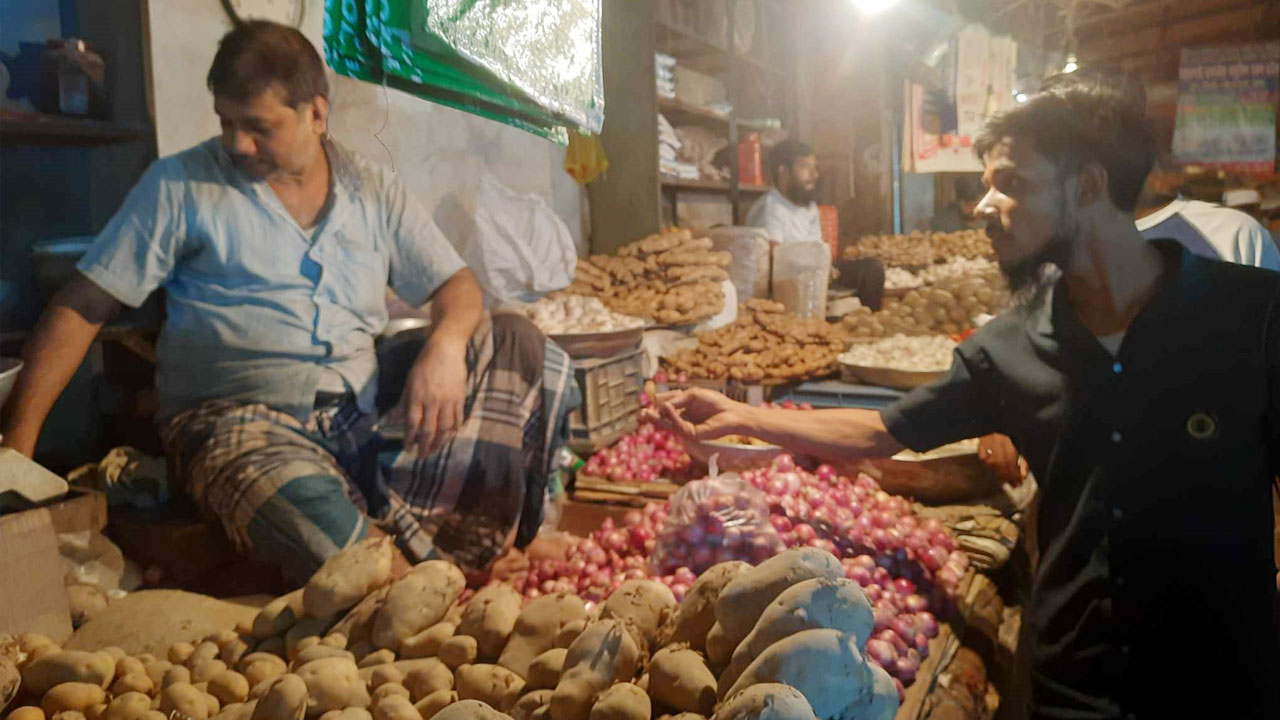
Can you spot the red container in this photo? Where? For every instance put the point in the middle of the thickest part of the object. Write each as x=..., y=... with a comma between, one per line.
x=750, y=165
x=829, y=218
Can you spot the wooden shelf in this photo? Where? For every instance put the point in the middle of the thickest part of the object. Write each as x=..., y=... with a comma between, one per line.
x=680, y=112
x=671, y=183
x=701, y=54
x=33, y=129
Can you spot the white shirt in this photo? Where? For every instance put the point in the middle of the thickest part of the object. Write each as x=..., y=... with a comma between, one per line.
x=1213, y=231
x=784, y=220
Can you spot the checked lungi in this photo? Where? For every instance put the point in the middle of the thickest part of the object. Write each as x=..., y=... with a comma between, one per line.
x=294, y=492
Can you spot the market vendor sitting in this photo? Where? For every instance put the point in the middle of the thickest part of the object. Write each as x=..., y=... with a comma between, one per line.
x=789, y=213
x=275, y=246
x=1140, y=381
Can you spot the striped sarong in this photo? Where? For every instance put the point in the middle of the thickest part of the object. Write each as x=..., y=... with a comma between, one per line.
x=294, y=492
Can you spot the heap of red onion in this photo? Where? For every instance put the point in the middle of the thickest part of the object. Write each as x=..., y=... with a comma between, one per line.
x=646, y=455
x=906, y=565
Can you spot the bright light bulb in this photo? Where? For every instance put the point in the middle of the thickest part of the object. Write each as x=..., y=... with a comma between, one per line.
x=1020, y=97
x=872, y=7
x=1071, y=65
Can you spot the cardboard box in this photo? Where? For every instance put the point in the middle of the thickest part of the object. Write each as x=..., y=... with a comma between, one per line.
x=32, y=595
x=698, y=89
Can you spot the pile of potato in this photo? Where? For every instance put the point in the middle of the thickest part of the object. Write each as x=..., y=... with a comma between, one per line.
x=764, y=342
x=671, y=278
x=945, y=308
x=922, y=248
x=747, y=643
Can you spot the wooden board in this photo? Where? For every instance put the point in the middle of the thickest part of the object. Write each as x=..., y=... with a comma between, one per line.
x=653, y=490
x=941, y=648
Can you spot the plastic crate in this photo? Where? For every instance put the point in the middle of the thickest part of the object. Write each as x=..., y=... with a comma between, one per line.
x=610, y=401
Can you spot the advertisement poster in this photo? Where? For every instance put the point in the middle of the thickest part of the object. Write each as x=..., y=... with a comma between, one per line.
x=1227, y=98
x=985, y=71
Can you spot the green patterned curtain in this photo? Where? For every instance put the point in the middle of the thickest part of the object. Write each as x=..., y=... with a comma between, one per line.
x=533, y=64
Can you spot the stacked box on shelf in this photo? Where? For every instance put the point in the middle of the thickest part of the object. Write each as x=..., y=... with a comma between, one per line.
x=610, y=400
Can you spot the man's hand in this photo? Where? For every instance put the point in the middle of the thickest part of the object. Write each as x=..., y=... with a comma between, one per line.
x=999, y=454
x=698, y=414
x=434, y=395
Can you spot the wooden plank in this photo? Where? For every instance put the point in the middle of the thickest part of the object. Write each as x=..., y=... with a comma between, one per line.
x=625, y=202
x=1153, y=12
x=683, y=113
x=1239, y=25
x=941, y=649
x=653, y=490
x=37, y=129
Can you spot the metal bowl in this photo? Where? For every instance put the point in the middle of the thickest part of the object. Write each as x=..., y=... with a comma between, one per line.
x=733, y=456
x=888, y=377
x=9, y=369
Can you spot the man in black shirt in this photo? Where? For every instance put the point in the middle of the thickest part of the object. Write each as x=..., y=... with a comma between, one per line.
x=1140, y=382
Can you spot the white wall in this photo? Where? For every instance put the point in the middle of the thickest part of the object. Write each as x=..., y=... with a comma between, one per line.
x=438, y=152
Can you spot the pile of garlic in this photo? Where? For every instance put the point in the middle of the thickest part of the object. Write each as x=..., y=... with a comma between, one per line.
x=575, y=314
x=926, y=353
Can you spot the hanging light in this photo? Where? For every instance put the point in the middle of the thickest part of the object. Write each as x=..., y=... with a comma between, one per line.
x=1019, y=96
x=1071, y=65
x=871, y=7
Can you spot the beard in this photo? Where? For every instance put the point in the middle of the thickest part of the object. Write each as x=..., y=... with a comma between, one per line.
x=801, y=195
x=1031, y=275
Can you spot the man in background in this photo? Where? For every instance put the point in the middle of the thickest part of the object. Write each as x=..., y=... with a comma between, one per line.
x=789, y=213
x=959, y=215
x=1207, y=229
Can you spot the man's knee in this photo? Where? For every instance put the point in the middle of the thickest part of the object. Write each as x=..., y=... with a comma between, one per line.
x=306, y=520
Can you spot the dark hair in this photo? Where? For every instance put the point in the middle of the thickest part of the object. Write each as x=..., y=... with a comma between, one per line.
x=785, y=153
x=257, y=54
x=1073, y=126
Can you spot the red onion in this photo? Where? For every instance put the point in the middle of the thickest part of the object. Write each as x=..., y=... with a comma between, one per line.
x=892, y=638
x=859, y=574
x=781, y=523
x=934, y=559
x=928, y=624
x=904, y=627
x=904, y=586
x=679, y=590
x=905, y=670
x=882, y=653
x=684, y=575
x=873, y=592
x=915, y=604
x=804, y=533
x=784, y=463
x=921, y=645
x=883, y=617
x=826, y=474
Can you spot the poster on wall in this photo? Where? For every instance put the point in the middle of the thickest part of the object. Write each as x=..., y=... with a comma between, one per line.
x=1227, y=98
x=985, y=74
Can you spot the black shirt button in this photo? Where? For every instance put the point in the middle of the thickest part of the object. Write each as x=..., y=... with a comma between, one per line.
x=1117, y=513
x=1116, y=437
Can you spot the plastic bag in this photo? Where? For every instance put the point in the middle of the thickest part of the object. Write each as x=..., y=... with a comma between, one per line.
x=519, y=248
x=749, y=270
x=801, y=271
x=715, y=520
x=585, y=160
